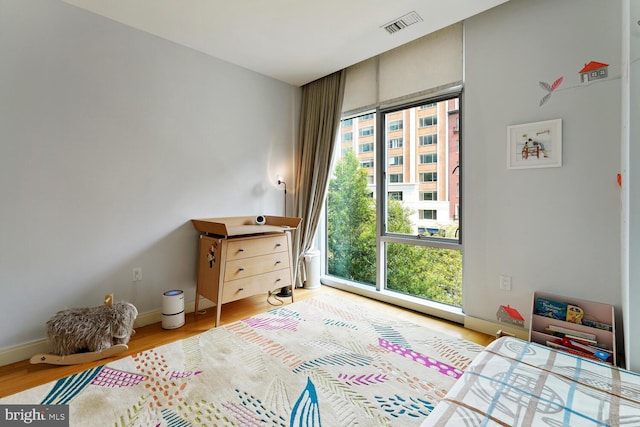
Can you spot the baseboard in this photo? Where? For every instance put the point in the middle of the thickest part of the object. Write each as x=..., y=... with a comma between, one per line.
x=26, y=351
x=23, y=352
x=490, y=328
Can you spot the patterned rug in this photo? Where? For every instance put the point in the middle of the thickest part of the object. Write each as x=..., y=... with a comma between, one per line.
x=318, y=362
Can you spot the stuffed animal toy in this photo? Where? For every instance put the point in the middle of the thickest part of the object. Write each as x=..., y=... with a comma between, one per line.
x=92, y=329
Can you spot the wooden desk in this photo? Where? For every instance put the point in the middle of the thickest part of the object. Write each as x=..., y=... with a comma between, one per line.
x=238, y=258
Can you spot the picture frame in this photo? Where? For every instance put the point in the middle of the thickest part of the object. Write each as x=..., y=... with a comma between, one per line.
x=535, y=145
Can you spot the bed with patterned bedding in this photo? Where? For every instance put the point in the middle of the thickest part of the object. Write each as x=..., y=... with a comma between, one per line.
x=518, y=383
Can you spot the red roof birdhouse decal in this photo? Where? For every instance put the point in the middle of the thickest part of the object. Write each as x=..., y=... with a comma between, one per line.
x=507, y=314
x=594, y=71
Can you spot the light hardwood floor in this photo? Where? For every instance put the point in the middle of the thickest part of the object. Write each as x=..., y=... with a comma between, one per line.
x=23, y=375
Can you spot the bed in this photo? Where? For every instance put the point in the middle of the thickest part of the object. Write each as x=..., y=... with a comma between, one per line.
x=518, y=383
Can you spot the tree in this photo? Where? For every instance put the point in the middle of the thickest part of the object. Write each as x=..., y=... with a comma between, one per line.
x=351, y=213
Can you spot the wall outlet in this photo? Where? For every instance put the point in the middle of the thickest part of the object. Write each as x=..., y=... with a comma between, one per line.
x=505, y=283
x=137, y=274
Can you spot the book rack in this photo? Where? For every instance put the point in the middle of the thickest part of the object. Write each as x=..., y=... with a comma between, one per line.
x=596, y=330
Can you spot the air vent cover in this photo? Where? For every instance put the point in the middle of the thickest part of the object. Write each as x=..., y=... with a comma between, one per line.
x=402, y=22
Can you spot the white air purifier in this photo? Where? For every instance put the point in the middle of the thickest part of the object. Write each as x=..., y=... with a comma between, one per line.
x=172, y=309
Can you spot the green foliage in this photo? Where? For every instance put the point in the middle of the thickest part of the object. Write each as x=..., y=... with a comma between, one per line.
x=351, y=215
x=422, y=271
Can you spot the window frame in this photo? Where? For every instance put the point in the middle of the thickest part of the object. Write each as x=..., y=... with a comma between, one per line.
x=379, y=291
x=432, y=137
x=428, y=158
x=382, y=184
x=363, y=145
x=396, y=160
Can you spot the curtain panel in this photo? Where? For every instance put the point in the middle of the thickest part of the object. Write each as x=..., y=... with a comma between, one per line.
x=319, y=121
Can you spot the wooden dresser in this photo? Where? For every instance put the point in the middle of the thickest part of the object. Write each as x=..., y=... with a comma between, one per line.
x=238, y=258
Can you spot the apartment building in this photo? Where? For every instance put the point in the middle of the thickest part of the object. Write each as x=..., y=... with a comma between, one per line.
x=421, y=152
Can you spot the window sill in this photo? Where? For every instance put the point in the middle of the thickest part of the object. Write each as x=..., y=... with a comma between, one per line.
x=431, y=308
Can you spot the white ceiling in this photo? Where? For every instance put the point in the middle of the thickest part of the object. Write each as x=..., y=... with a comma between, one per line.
x=296, y=41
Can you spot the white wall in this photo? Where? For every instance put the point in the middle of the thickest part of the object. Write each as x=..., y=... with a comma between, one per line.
x=555, y=229
x=111, y=140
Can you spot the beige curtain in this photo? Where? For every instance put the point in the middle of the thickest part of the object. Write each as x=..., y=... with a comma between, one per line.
x=319, y=122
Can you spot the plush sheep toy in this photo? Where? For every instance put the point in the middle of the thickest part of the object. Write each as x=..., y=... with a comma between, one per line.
x=94, y=329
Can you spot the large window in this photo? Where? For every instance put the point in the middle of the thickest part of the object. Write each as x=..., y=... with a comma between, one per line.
x=406, y=238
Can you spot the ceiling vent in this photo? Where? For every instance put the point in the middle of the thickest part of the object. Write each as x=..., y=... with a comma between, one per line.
x=402, y=22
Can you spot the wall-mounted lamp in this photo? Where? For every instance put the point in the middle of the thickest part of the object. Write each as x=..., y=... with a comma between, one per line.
x=280, y=181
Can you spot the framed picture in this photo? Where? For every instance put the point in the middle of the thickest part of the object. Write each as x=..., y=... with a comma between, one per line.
x=535, y=145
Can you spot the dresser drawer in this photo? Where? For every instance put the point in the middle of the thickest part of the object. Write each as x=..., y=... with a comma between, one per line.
x=246, y=267
x=245, y=248
x=260, y=284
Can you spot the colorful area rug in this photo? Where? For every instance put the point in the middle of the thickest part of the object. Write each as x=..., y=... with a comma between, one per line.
x=319, y=362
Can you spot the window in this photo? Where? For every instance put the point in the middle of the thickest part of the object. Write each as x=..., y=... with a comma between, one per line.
x=395, y=160
x=428, y=214
x=395, y=125
x=368, y=163
x=428, y=121
x=395, y=195
x=347, y=122
x=428, y=158
x=366, y=117
x=430, y=139
x=347, y=136
x=395, y=143
x=404, y=239
x=366, y=148
x=429, y=195
x=428, y=176
x=395, y=177
x=366, y=131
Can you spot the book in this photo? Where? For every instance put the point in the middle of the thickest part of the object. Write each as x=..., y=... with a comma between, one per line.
x=574, y=314
x=563, y=335
x=572, y=351
x=573, y=333
x=599, y=353
x=597, y=325
x=550, y=308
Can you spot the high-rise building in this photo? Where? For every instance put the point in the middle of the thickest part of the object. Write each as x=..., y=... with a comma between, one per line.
x=422, y=154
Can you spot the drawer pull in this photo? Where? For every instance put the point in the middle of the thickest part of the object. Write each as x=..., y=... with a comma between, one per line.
x=240, y=289
x=278, y=245
x=278, y=262
x=241, y=269
x=278, y=279
x=240, y=250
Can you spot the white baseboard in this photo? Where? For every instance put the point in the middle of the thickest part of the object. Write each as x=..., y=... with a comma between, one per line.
x=26, y=351
x=490, y=328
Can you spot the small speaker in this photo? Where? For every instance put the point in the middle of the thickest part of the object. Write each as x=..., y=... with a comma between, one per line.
x=261, y=220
